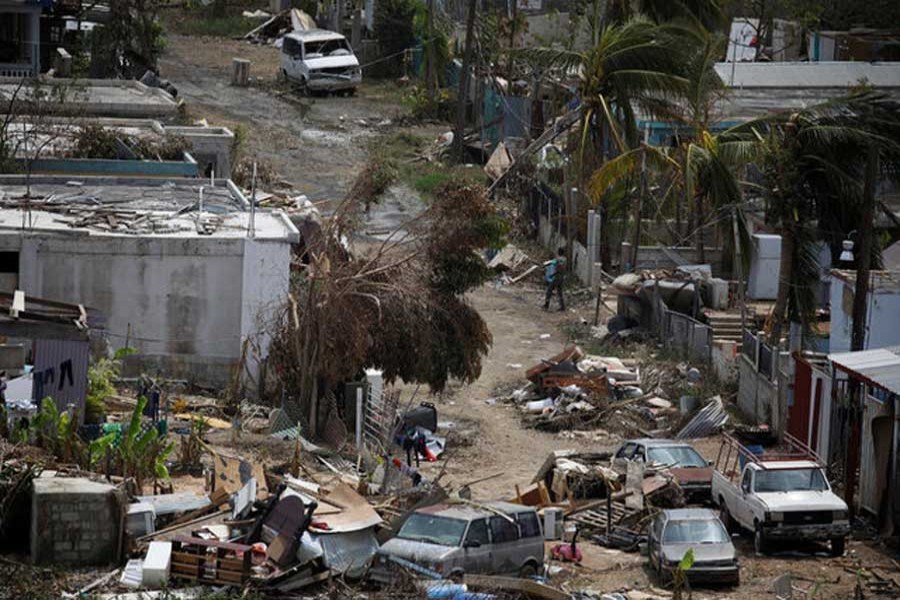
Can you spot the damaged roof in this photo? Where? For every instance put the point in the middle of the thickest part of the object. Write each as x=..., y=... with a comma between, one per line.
x=879, y=367
x=112, y=206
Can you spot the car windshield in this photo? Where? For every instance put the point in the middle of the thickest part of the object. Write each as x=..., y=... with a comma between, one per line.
x=337, y=47
x=433, y=529
x=680, y=456
x=695, y=532
x=790, y=480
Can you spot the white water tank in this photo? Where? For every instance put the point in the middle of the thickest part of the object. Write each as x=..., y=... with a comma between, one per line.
x=762, y=284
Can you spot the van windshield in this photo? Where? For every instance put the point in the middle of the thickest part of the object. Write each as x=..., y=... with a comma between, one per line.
x=790, y=480
x=433, y=529
x=338, y=47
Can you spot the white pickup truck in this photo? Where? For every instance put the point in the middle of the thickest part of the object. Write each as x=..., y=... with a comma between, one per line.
x=778, y=496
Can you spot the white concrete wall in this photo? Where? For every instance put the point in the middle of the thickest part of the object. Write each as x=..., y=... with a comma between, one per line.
x=266, y=281
x=189, y=302
x=881, y=317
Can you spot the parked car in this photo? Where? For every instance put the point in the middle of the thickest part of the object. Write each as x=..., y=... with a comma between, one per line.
x=320, y=60
x=454, y=539
x=673, y=532
x=779, y=497
x=692, y=471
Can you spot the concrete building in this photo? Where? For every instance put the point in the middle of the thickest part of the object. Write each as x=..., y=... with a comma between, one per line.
x=882, y=327
x=49, y=145
x=181, y=269
x=20, y=54
x=757, y=88
x=91, y=98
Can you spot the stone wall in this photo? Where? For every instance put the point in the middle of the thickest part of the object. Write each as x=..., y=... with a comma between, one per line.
x=75, y=522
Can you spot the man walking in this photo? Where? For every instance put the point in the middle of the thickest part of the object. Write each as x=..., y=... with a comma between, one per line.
x=554, y=275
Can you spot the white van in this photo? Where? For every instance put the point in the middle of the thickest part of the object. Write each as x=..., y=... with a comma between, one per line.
x=320, y=60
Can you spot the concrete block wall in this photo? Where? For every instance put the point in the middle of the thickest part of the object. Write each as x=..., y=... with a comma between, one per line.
x=74, y=522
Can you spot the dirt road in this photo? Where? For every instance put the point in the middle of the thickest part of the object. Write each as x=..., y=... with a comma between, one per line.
x=523, y=335
x=319, y=145
x=316, y=143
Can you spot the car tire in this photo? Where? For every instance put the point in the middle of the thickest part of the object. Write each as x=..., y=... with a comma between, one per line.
x=725, y=516
x=457, y=576
x=837, y=546
x=760, y=544
x=528, y=571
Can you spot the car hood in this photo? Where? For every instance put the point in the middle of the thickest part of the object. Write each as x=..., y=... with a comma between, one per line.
x=418, y=552
x=325, y=62
x=694, y=475
x=702, y=552
x=801, y=501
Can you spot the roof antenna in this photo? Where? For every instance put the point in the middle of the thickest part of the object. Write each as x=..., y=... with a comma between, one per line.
x=251, y=229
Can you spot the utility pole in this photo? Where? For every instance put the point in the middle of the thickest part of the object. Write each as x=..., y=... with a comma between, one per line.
x=640, y=202
x=864, y=257
x=459, y=131
x=430, y=74
x=739, y=265
x=858, y=339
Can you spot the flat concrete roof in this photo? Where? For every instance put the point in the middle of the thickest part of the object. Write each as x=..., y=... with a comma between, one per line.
x=109, y=206
x=801, y=75
x=755, y=89
x=879, y=282
x=94, y=97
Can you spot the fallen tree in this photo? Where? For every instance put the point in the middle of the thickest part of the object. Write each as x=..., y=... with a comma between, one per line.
x=397, y=305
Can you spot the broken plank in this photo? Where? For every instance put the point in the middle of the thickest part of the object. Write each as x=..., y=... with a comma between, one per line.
x=296, y=584
x=512, y=584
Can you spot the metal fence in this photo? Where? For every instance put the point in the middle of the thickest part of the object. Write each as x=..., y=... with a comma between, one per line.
x=763, y=357
x=680, y=332
x=378, y=421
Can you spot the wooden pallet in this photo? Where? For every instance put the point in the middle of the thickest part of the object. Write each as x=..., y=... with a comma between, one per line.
x=596, y=519
x=209, y=561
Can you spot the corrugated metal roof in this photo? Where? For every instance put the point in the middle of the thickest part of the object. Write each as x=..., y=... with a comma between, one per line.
x=879, y=367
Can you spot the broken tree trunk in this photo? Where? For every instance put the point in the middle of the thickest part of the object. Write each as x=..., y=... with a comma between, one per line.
x=240, y=72
x=459, y=131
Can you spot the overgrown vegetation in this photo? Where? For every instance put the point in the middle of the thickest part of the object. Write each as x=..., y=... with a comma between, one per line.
x=399, y=306
x=95, y=141
x=395, y=29
x=130, y=42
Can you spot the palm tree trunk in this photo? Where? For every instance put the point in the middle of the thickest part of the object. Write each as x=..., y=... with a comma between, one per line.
x=785, y=273
x=701, y=249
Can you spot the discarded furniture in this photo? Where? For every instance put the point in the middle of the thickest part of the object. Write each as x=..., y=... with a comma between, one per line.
x=208, y=561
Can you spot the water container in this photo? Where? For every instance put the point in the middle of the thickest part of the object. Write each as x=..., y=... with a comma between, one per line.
x=754, y=449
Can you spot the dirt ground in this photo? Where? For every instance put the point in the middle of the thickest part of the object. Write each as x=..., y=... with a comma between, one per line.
x=318, y=144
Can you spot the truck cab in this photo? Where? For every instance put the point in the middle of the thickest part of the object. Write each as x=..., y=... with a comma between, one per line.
x=778, y=496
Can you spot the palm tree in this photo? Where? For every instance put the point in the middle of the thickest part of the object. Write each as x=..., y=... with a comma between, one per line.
x=813, y=166
x=705, y=165
x=632, y=66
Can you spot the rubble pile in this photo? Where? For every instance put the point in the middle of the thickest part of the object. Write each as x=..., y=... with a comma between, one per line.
x=574, y=393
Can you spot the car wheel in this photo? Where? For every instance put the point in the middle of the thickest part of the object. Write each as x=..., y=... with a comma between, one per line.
x=759, y=540
x=457, y=576
x=725, y=516
x=528, y=571
x=837, y=546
